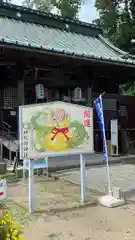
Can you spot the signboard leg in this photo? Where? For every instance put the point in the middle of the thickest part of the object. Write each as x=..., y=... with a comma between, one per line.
x=47, y=167
x=23, y=172
x=83, y=178
x=24, y=168
x=31, y=188
x=1, y=148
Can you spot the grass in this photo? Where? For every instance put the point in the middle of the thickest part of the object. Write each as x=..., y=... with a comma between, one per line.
x=15, y=210
x=10, y=177
x=50, y=195
x=19, y=213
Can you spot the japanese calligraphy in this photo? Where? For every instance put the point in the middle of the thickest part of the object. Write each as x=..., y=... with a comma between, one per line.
x=25, y=142
x=87, y=118
x=86, y=114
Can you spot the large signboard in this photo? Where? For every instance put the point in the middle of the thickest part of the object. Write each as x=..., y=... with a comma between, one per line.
x=53, y=129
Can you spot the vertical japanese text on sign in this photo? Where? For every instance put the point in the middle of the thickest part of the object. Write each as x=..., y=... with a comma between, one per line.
x=87, y=118
x=26, y=139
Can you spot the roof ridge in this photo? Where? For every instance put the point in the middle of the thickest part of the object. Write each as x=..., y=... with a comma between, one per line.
x=118, y=50
x=107, y=42
x=51, y=15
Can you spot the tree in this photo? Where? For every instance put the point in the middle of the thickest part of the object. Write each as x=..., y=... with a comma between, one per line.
x=66, y=8
x=128, y=89
x=42, y=5
x=116, y=19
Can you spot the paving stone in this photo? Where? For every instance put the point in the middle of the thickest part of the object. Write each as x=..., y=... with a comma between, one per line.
x=122, y=176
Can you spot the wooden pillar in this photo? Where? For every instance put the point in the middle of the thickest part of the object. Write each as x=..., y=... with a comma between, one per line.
x=89, y=96
x=20, y=100
x=118, y=103
x=20, y=91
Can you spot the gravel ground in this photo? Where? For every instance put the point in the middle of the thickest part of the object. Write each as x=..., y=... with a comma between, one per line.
x=95, y=223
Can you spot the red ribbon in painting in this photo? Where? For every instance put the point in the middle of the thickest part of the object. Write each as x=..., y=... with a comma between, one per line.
x=56, y=131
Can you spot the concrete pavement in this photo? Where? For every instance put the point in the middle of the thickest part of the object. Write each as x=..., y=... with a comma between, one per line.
x=68, y=162
x=121, y=175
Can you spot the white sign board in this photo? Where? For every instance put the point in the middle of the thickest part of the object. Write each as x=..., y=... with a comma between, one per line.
x=114, y=136
x=3, y=189
x=54, y=129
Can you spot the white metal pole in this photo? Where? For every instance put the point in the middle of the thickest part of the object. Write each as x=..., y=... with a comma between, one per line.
x=117, y=149
x=24, y=171
x=107, y=162
x=31, y=188
x=47, y=167
x=83, y=178
x=1, y=151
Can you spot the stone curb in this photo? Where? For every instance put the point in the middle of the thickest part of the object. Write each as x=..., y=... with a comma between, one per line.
x=67, y=167
x=96, y=193
x=122, y=159
x=70, y=167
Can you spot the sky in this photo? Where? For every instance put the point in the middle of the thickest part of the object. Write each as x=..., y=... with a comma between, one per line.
x=87, y=13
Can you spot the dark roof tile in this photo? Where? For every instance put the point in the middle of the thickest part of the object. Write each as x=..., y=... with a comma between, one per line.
x=53, y=39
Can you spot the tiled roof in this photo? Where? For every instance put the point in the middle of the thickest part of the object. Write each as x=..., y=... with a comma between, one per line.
x=33, y=35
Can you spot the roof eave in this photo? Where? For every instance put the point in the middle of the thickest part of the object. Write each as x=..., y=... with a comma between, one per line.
x=29, y=48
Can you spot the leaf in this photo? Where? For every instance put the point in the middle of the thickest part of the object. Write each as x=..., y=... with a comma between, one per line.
x=66, y=8
x=116, y=20
x=52, y=235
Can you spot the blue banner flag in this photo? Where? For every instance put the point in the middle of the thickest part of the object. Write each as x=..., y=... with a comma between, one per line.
x=99, y=109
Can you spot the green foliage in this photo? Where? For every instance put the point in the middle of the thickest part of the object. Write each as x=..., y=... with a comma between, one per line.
x=9, y=230
x=128, y=89
x=66, y=8
x=117, y=18
x=42, y=5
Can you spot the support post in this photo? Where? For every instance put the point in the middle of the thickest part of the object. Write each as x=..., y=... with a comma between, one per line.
x=10, y=156
x=83, y=178
x=20, y=98
x=10, y=153
x=21, y=92
x=89, y=96
x=1, y=146
x=31, y=188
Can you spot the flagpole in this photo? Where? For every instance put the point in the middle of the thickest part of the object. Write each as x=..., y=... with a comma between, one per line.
x=105, y=143
x=99, y=96
x=107, y=161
